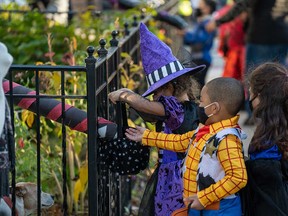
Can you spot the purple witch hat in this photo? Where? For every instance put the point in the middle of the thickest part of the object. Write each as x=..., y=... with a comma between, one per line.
x=159, y=64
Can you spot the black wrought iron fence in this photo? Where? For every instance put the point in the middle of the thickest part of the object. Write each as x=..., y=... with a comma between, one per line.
x=108, y=193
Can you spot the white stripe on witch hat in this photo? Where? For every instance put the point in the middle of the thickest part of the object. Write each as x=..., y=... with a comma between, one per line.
x=159, y=64
x=164, y=71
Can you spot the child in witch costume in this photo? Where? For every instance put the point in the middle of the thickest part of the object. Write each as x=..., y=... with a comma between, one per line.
x=213, y=169
x=171, y=85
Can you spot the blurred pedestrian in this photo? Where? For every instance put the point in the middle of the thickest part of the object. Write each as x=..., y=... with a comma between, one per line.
x=199, y=40
x=232, y=44
x=267, y=33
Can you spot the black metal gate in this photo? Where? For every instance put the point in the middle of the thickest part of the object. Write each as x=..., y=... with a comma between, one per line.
x=108, y=193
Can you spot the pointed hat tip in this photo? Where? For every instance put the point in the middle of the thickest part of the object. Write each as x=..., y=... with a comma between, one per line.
x=142, y=25
x=143, y=28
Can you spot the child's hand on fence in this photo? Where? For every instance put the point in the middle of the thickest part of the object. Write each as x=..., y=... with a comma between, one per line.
x=195, y=203
x=115, y=95
x=126, y=90
x=135, y=134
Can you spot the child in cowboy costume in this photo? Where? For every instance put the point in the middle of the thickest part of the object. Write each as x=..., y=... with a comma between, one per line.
x=173, y=103
x=214, y=169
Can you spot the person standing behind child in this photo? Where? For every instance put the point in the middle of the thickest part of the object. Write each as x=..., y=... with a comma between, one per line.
x=199, y=39
x=173, y=103
x=214, y=169
x=267, y=34
x=267, y=189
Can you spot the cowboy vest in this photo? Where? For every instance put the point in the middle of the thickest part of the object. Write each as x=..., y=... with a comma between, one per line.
x=209, y=169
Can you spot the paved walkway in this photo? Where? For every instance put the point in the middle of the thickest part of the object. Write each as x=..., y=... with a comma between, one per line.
x=216, y=71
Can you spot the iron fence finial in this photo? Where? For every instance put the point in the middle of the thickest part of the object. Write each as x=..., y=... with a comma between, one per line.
x=90, y=59
x=135, y=23
x=90, y=50
x=102, y=52
x=127, y=32
x=114, y=41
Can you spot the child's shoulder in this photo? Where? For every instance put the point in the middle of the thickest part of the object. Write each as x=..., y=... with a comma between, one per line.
x=236, y=131
x=231, y=134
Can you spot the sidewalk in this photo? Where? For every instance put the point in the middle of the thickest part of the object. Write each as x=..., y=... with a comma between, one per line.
x=216, y=71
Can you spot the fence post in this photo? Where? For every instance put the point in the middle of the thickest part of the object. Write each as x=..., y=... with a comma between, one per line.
x=135, y=23
x=102, y=52
x=92, y=133
x=114, y=42
x=126, y=31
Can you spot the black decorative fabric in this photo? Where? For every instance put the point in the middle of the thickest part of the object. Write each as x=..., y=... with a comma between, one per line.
x=122, y=155
x=191, y=119
x=147, y=205
x=266, y=193
x=190, y=122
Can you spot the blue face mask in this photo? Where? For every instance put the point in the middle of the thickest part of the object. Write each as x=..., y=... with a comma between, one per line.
x=202, y=114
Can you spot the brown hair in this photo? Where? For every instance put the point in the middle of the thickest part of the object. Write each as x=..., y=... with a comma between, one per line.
x=188, y=84
x=270, y=82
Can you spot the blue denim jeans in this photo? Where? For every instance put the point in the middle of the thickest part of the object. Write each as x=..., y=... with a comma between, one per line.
x=228, y=207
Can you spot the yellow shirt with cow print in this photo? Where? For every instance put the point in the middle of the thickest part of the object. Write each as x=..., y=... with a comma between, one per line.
x=229, y=154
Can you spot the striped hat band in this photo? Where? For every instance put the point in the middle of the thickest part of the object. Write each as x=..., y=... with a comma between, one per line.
x=164, y=71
